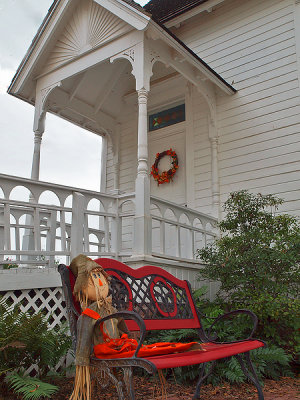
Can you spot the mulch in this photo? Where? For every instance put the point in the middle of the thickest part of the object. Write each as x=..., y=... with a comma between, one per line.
x=149, y=389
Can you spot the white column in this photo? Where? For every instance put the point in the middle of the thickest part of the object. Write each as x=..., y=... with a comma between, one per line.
x=215, y=176
x=142, y=222
x=35, y=170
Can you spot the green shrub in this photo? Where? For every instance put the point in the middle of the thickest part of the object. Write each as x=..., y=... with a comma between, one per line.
x=26, y=340
x=257, y=261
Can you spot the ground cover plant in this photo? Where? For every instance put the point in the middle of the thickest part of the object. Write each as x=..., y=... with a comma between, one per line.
x=26, y=340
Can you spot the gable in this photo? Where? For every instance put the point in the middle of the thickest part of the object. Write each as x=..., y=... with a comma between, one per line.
x=89, y=27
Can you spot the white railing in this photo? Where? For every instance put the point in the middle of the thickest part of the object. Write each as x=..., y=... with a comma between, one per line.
x=42, y=224
x=178, y=231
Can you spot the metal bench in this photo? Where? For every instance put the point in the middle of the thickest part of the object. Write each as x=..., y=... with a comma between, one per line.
x=149, y=298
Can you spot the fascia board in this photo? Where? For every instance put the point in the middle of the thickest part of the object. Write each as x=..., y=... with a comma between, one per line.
x=127, y=13
x=41, y=41
x=191, y=13
x=201, y=66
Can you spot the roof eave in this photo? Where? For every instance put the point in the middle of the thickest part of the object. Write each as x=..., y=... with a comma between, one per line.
x=174, y=41
x=186, y=14
x=32, y=46
x=142, y=21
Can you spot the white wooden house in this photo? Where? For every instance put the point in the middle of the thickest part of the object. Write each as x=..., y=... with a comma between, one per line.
x=231, y=68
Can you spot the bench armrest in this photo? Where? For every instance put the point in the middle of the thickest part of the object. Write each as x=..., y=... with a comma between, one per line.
x=230, y=314
x=129, y=315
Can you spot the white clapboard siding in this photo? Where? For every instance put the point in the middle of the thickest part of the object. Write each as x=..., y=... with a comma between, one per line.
x=247, y=95
x=252, y=45
x=255, y=144
x=202, y=155
x=128, y=155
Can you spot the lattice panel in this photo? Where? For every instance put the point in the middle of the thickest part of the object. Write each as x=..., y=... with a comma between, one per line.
x=48, y=301
x=152, y=297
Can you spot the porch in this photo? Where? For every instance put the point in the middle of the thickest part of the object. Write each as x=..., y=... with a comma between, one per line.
x=43, y=224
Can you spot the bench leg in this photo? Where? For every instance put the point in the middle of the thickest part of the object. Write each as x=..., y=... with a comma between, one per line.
x=128, y=379
x=118, y=384
x=202, y=378
x=250, y=373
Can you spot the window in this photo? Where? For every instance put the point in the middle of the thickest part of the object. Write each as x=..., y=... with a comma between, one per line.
x=167, y=117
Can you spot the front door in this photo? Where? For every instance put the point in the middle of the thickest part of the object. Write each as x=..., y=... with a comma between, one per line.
x=159, y=141
x=174, y=191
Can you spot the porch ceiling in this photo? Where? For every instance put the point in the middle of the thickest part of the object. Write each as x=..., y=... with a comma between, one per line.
x=98, y=97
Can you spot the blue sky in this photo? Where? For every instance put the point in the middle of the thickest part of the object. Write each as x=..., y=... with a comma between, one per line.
x=70, y=155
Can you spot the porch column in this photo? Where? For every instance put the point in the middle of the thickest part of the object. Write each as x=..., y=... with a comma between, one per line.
x=215, y=180
x=142, y=222
x=28, y=242
x=35, y=170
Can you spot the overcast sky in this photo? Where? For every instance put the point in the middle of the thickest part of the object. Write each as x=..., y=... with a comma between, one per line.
x=69, y=155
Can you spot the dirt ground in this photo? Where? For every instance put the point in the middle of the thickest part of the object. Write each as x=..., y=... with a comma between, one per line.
x=150, y=389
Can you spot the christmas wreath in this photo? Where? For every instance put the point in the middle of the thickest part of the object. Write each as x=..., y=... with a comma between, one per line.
x=165, y=176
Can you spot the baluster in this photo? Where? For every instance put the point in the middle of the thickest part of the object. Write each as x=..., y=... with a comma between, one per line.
x=51, y=235
x=106, y=233
x=162, y=237
x=63, y=231
x=6, y=218
x=86, y=242
x=17, y=239
x=76, y=243
x=178, y=249
x=37, y=229
x=116, y=230
x=192, y=235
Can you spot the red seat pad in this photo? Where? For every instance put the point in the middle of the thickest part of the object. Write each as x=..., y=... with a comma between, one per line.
x=212, y=352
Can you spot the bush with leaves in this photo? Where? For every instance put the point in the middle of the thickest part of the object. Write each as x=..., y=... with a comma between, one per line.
x=257, y=261
x=26, y=340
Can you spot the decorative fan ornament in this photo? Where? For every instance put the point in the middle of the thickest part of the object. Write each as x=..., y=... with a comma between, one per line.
x=90, y=26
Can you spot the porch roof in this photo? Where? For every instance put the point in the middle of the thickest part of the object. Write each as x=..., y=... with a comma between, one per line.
x=70, y=64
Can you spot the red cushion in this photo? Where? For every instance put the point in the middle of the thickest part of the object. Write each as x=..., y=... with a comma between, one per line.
x=213, y=352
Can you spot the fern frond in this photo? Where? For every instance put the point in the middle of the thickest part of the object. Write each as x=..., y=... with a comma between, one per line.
x=30, y=388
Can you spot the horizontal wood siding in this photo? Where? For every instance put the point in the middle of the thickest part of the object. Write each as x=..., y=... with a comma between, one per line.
x=128, y=170
x=252, y=45
x=128, y=154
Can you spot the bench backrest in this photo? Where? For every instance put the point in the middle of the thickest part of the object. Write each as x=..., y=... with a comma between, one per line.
x=163, y=301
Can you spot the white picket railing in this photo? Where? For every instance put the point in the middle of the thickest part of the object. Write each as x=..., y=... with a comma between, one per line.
x=43, y=223
x=177, y=231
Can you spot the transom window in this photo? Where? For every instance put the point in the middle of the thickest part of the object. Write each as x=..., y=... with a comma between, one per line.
x=167, y=117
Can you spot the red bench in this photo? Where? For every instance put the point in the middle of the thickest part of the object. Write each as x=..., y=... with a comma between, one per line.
x=149, y=298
